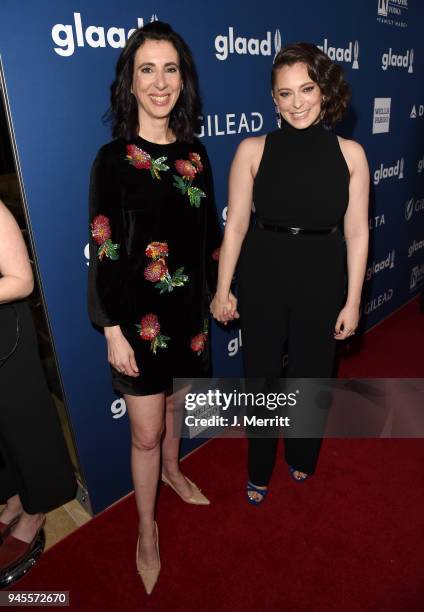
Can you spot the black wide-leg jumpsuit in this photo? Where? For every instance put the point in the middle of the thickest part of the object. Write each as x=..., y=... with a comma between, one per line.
x=291, y=286
x=34, y=459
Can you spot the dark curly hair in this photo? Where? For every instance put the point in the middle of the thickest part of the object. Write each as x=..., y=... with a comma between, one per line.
x=323, y=71
x=123, y=112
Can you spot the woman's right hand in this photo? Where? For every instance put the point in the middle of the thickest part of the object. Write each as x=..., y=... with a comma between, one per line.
x=224, y=309
x=119, y=352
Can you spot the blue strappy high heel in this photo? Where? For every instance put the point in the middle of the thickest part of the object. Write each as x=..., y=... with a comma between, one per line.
x=292, y=470
x=255, y=489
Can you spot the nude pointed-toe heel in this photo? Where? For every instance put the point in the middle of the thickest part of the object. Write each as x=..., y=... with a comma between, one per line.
x=149, y=575
x=197, y=496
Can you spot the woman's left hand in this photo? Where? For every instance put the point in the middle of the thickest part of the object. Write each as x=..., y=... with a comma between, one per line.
x=224, y=309
x=347, y=322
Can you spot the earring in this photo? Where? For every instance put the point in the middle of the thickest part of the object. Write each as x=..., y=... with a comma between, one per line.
x=278, y=117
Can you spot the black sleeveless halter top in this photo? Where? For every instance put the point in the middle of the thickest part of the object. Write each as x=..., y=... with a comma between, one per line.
x=302, y=179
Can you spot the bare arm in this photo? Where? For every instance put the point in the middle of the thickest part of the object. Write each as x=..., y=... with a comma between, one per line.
x=16, y=279
x=356, y=225
x=242, y=173
x=356, y=233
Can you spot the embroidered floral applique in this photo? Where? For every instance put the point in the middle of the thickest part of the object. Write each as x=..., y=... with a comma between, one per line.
x=196, y=161
x=154, y=250
x=157, y=270
x=102, y=235
x=198, y=342
x=143, y=161
x=188, y=168
x=149, y=329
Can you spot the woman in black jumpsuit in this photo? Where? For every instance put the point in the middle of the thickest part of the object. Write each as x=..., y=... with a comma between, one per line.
x=36, y=473
x=304, y=182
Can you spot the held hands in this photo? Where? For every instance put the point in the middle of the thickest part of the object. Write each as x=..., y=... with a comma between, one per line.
x=119, y=352
x=347, y=322
x=224, y=309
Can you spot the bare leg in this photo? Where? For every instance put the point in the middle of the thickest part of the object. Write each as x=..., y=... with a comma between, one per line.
x=146, y=414
x=28, y=524
x=12, y=508
x=171, y=445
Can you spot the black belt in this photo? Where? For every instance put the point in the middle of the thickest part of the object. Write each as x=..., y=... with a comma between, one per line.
x=294, y=230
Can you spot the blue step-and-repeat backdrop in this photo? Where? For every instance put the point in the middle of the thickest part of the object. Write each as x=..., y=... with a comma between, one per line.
x=58, y=60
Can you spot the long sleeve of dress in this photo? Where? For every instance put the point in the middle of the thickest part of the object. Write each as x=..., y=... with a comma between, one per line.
x=105, y=282
x=213, y=230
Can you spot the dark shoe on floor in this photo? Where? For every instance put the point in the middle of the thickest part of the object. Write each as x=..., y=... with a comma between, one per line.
x=18, y=557
x=292, y=470
x=251, y=488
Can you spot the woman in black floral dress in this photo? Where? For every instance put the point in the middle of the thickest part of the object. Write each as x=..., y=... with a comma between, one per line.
x=155, y=238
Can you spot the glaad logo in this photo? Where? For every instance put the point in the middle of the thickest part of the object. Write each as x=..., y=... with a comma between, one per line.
x=95, y=36
x=385, y=264
x=381, y=120
x=229, y=44
x=412, y=207
x=414, y=247
x=342, y=54
x=417, y=277
x=384, y=172
x=393, y=60
x=214, y=125
x=277, y=42
x=378, y=301
x=234, y=345
x=414, y=113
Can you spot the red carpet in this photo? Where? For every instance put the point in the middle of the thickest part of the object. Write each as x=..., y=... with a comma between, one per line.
x=348, y=540
x=393, y=349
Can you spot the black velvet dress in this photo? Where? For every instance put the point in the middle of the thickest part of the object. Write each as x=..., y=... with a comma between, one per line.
x=154, y=246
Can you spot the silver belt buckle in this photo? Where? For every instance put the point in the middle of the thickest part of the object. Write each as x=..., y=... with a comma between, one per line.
x=294, y=230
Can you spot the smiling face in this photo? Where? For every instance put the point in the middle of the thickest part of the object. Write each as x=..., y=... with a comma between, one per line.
x=156, y=82
x=297, y=97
